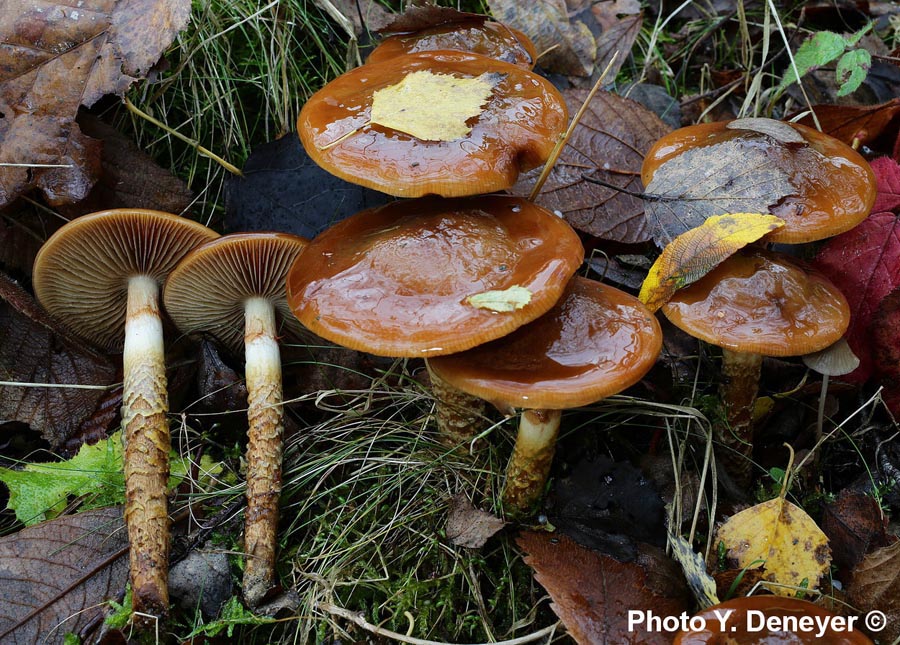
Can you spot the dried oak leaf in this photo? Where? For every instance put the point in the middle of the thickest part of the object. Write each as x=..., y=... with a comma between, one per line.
x=849, y=123
x=609, y=144
x=34, y=350
x=855, y=526
x=725, y=177
x=593, y=593
x=876, y=586
x=56, y=575
x=57, y=56
x=864, y=263
x=884, y=336
x=570, y=47
x=469, y=526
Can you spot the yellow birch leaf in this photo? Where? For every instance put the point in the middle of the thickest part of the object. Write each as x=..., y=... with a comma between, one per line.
x=693, y=254
x=432, y=107
x=501, y=301
x=793, y=549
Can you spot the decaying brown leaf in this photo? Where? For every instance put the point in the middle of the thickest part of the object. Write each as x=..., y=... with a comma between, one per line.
x=56, y=56
x=34, y=350
x=849, y=123
x=855, y=526
x=419, y=17
x=469, y=526
x=570, y=47
x=713, y=180
x=609, y=144
x=618, y=39
x=56, y=575
x=876, y=587
x=592, y=593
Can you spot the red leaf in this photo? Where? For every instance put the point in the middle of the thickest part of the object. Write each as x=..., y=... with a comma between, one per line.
x=885, y=339
x=848, y=122
x=864, y=263
x=887, y=176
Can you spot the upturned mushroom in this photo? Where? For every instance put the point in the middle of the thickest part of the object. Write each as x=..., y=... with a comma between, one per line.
x=834, y=187
x=434, y=276
x=444, y=123
x=596, y=341
x=233, y=288
x=773, y=620
x=100, y=276
x=757, y=303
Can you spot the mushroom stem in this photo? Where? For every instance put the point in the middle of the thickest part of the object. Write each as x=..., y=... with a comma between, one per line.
x=147, y=445
x=264, y=449
x=459, y=416
x=529, y=466
x=740, y=383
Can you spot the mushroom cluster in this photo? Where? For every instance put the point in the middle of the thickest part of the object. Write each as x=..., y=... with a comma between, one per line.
x=759, y=303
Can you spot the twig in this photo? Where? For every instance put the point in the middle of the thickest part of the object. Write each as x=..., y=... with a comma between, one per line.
x=557, y=150
x=203, y=151
x=71, y=386
x=380, y=631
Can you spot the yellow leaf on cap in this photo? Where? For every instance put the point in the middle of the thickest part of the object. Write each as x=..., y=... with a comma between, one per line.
x=432, y=107
x=794, y=550
x=501, y=301
x=693, y=254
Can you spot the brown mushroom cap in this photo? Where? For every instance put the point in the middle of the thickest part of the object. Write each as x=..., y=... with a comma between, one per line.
x=835, y=185
x=476, y=36
x=596, y=341
x=762, y=302
x=516, y=130
x=738, y=624
x=208, y=289
x=394, y=280
x=81, y=273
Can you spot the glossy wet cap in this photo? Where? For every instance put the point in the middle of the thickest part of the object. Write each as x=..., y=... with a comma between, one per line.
x=744, y=624
x=516, y=130
x=396, y=280
x=476, y=36
x=835, y=187
x=596, y=341
x=81, y=273
x=207, y=290
x=762, y=302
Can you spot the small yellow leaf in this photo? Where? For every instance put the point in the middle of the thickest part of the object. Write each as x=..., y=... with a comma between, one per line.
x=502, y=301
x=794, y=550
x=432, y=107
x=693, y=254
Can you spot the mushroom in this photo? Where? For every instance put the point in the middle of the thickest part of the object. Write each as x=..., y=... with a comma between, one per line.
x=774, y=620
x=514, y=129
x=404, y=279
x=233, y=288
x=835, y=187
x=595, y=342
x=757, y=303
x=472, y=34
x=100, y=276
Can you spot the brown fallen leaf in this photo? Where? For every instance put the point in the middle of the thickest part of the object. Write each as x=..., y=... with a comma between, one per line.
x=593, y=593
x=849, y=123
x=570, y=47
x=609, y=143
x=359, y=15
x=876, y=587
x=56, y=575
x=855, y=526
x=469, y=526
x=57, y=57
x=34, y=350
x=721, y=178
x=419, y=17
x=129, y=177
x=619, y=38
x=19, y=244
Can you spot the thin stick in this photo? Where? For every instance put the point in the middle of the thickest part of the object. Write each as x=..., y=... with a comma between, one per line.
x=380, y=631
x=71, y=386
x=557, y=150
x=203, y=151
